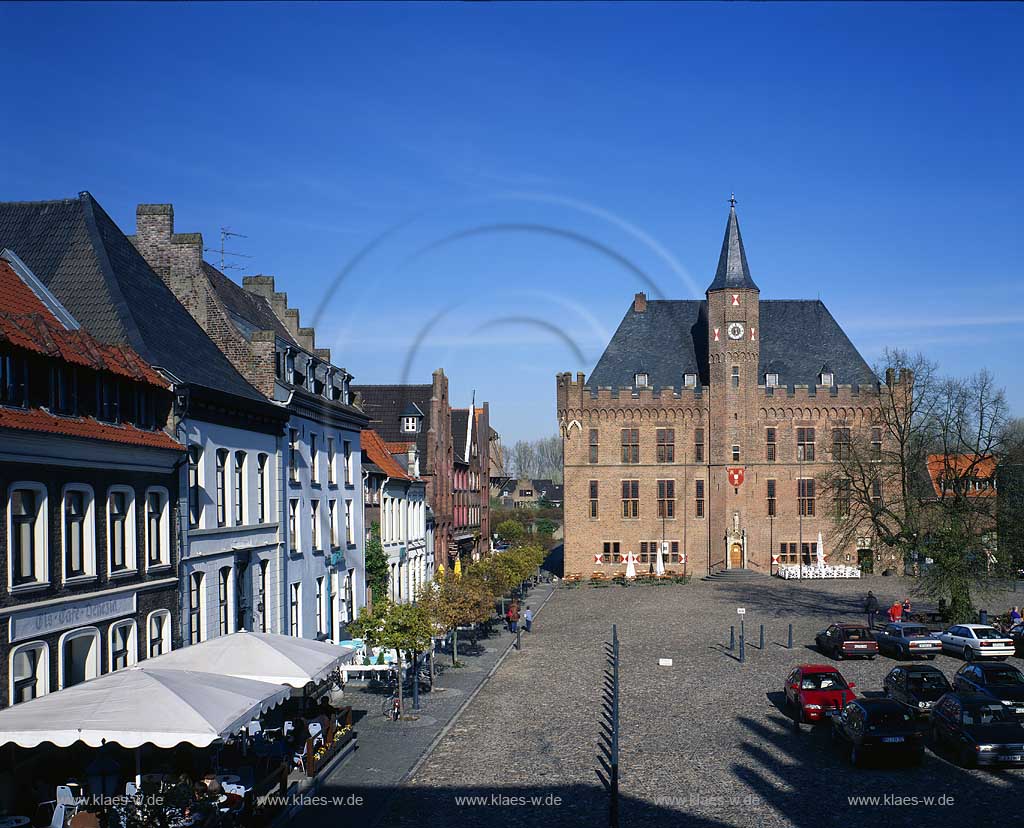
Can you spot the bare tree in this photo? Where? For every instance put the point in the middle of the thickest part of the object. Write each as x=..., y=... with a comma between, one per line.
x=524, y=459
x=549, y=458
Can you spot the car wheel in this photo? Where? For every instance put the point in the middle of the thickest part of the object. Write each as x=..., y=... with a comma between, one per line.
x=967, y=757
x=968, y=653
x=837, y=653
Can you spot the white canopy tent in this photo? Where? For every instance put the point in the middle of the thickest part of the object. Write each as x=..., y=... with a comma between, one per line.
x=278, y=659
x=141, y=705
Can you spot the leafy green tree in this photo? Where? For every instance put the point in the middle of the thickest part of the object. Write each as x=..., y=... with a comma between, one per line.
x=404, y=628
x=376, y=565
x=510, y=531
x=452, y=602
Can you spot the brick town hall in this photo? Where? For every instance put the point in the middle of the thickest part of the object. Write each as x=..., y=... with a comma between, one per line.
x=706, y=425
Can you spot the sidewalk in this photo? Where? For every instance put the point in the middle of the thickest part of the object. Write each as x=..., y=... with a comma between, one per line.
x=388, y=751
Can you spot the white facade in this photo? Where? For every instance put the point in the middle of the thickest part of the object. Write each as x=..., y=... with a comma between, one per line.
x=403, y=534
x=231, y=561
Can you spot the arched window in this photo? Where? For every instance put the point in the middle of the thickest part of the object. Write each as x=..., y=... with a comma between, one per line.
x=79, y=656
x=30, y=671
x=240, y=492
x=158, y=633
x=222, y=495
x=225, y=589
x=195, y=607
x=79, y=532
x=124, y=651
x=158, y=530
x=121, y=529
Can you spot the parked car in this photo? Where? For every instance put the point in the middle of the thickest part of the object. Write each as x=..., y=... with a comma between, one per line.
x=816, y=691
x=906, y=641
x=981, y=731
x=1017, y=636
x=846, y=640
x=918, y=686
x=1002, y=682
x=973, y=641
x=876, y=728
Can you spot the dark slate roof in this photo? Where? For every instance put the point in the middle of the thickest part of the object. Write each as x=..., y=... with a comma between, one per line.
x=81, y=256
x=411, y=410
x=460, y=420
x=383, y=405
x=733, y=271
x=798, y=339
x=248, y=311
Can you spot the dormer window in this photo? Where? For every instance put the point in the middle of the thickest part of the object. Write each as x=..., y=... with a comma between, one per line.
x=689, y=380
x=826, y=379
x=771, y=380
x=410, y=425
x=640, y=379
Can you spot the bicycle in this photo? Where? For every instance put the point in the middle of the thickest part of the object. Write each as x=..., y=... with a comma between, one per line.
x=390, y=709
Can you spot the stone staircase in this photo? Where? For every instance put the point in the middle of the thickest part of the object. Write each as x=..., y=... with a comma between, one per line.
x=734, y=576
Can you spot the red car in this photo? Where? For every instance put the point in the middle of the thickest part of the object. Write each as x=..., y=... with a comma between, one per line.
x=815, y=692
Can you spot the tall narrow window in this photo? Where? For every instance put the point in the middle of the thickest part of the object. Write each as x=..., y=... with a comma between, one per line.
x=735, y=376
x=610, y=553
x=314, y=513
x=264, y=597
x=350, y=528
x=224, y=600
x=239, y=488
x=332, y=511
x=195, y=608
x=666, y=445
x=735, y=453
x=698, y=445
x=593, y=498
x=347, y=451
x=843, y=489
x=108, y=401
x=876, y=495
x=330, y=462
x=771, y=499
x=630, y=445
x=698, y=505
x=294, y=617
x=769, y=448
x=155, y=541
x=74, y=533
x=261, y=487
x=194, y=455
x=63, y=388
x=293, y=455
x=122, y=645
x=29, y=672
x=805, y=496
x=314, y=460
x=118, y=517
x=13, y=380
x=293, y=524
x=631, y=498
x=876, y=444
x=320, y=604
x=667, y=499
x=840, y=444
x=159, y=632
x=805, y=444
x=594, y=445
x=222, y=495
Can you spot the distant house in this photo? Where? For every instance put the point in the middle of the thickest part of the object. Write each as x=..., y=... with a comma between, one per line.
x=527, y=493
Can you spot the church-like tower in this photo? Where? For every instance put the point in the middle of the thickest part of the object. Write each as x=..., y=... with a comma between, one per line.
x=733, y=355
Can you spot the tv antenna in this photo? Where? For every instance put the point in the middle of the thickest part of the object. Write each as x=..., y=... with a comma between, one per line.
x=227, y=233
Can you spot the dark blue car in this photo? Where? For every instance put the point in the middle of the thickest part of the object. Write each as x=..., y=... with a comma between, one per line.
x=1002, y=682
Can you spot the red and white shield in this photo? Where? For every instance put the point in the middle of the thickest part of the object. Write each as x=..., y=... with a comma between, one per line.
x=735, y=477
x=597, y=557
x=717, y=332
x=735, y=300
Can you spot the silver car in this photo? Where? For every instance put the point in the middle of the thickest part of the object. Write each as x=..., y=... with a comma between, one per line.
x=973, y=641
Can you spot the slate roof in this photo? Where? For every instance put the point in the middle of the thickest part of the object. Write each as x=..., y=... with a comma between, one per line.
x=383, y=405
x=669, y=339
x=732, y=271
x=460, y=421
x=249, y=312
x=84, y=259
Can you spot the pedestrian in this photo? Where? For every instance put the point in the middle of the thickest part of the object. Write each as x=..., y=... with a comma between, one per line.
x=895, y=612
x=871, y=608
x=906, y=606
x=513, y=617
x=1014, y=616
x=528, y=618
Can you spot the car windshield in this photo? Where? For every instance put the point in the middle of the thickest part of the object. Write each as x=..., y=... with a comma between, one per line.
x=856, y=634
x=822, y=681
x=926, y=681
x=979, y=714
x=915, y=631
x=1004, y=677
x=987, y=632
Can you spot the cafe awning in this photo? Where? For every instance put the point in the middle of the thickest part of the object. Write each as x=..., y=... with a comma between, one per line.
x=141, y=705
x=279, y=659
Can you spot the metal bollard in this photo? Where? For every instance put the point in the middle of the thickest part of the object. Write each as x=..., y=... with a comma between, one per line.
x=732, y=638
x=519, y=637
x=743, y=647
x=982, y=616
x=742, y=633
x=790, y=645
x=761, y=645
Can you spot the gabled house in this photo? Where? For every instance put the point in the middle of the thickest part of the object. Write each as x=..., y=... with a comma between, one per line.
x=89, y=491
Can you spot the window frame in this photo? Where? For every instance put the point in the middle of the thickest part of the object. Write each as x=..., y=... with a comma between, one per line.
x=666, y=499
x=771, y=436
x=62, y=643
x=699, y=493
x=698, y=444
x=131, y=651
x=41, y=673
x=197, y=606
x=295, y=609
x=630, y=499
x=594, y=490
x=262, y=501
x=806, y=494
x=225, y=602
x=805, y=452
x=195, y=485
x=594, y=445
x=771, y=496
x=88, y=533
x=630, y=442
x=164, y=526
x=40, y=536
x=165, y=633
x=131, y=559
x=238, y=488
x=666, y=445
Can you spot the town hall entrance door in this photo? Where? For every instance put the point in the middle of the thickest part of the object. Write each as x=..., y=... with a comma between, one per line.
x=735, y=555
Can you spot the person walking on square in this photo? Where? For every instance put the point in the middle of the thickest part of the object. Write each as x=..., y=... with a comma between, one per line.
x=528, y=618
x=871, y=608
x=1015, y=616
x=895, y=612
x=513, y=617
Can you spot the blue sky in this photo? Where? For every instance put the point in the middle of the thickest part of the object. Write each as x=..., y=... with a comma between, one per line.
x=495, y=181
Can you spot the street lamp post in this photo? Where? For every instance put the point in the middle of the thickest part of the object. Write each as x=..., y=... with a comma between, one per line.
x=800, y=506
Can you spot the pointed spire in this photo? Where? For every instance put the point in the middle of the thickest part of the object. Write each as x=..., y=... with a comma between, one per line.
x=732, y=263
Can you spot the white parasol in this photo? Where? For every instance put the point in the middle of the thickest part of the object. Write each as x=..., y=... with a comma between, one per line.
x=659, y=567
x=820, y=552
x=630, y=566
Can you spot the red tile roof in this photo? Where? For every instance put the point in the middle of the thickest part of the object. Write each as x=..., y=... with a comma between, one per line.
x=398, y=447
x=27, y=323
x=36, y=419
x=959, y=465
x=378, y=453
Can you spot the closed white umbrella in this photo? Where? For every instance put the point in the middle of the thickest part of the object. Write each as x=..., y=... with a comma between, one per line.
x=821, y=551
x=138, y=705
x=659, y=567
x=630, y=567
x=280, y=659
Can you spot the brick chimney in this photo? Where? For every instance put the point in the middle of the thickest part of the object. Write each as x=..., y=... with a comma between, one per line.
x=640, y=303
